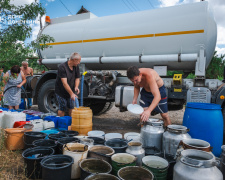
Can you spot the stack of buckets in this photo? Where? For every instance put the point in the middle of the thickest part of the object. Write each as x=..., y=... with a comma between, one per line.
x=82, y=120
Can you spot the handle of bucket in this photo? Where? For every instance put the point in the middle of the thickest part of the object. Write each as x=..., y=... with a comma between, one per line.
x=101, y=154
x=31, y=127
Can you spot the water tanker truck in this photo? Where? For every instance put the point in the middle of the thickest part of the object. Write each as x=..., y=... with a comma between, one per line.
x=173, y=38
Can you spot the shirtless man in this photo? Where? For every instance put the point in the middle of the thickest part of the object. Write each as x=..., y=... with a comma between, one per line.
x=153, y=93
x=27, y=71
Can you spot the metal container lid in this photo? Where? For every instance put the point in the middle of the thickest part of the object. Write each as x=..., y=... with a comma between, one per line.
x=177, y=129
x=154, y=122
x=197, y=158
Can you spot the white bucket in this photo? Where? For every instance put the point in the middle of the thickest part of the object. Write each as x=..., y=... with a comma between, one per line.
x=112, y=135
x=132, y=136
x=77, y=156
x=99, y=134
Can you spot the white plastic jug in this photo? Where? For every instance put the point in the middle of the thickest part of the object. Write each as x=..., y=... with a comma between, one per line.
x=38, y=126
x=1, y=116
x=48, y=125
x=78, y=152
x=9, y=118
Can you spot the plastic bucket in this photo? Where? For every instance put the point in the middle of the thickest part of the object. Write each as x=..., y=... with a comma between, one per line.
x=93, y=166
x=205, y=122
x=50, y=131
x=14, y=138
x=82, y=129
x=55, y=137
x=97, y=140
x=119, y=145
x=157, y=165
x=101, y=152
x=109, y=136
x=70, y=133
x=121, y=160
x=87, y=141
x=32, y=158
x=45, y=143
x=102, y=176
x=135, y=173
x=29, y=137
x=99, y=134
x=132, y=136
x=78, y=152
x=62, y=141
x=57, y=167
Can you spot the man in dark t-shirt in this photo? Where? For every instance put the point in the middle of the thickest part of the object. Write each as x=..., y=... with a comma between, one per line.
x=67, y=83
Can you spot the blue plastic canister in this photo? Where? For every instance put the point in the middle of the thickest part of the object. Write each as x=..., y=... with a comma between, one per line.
x=64, y=122
x=205, y=122
x=54, y=119
x=31, y=117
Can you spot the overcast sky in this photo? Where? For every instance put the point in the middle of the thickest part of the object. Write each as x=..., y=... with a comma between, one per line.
x=60, y=8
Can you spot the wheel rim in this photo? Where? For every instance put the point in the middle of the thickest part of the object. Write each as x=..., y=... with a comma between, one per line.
x=50, y=101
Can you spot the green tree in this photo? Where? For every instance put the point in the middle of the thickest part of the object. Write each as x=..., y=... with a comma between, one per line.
x=15, y=28
x=216, y=67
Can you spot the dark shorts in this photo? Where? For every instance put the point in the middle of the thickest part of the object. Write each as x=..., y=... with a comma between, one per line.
x=64, y=103
x=147, y=98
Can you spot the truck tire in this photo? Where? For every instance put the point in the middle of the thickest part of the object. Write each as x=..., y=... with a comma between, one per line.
x=47, y=101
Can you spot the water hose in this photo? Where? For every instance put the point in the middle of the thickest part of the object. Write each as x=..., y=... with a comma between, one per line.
x=82, y=88
x=76, y=103
x=21, y=88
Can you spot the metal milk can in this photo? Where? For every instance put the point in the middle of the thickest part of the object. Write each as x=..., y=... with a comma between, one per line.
x=135, y=148
x=152, y=133
x=172, y=138
x=196, y=165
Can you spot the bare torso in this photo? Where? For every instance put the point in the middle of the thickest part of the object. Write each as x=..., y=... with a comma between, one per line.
x=146, y=74
x=28, y=71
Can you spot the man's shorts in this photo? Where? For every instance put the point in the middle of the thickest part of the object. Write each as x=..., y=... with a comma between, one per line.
x=147, y=98
x=64, y=103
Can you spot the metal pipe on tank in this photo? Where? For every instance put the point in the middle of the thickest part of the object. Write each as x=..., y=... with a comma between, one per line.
x=130, y=59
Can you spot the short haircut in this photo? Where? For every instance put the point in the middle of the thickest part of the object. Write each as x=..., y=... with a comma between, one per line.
x=15, y=69
x=24, y=62
x=132, y=72
x=75, y=56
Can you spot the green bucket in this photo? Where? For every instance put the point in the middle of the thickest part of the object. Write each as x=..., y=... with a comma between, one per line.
x=121, y=160
x=157, y=165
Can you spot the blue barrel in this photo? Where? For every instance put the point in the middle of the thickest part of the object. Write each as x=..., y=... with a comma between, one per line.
x=205, y=122
x=54, y=119
x=22, y=104
x=64, y=122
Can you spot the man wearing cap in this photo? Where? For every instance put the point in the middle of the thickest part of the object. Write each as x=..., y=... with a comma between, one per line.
x=153, y=93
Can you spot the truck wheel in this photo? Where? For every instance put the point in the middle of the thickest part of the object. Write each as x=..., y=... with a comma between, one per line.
x=47, y=101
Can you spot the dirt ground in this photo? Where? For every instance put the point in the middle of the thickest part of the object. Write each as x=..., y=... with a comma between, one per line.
x=11, y=162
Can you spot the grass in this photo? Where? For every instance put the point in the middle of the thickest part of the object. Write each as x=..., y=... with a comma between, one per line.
x=11, y=162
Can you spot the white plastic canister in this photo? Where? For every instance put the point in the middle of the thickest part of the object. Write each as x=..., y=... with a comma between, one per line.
x=48, y=124
x=132, y=136
x=78, y=152
x=112, y=135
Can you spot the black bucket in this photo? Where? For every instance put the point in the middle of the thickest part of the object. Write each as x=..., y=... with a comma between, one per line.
x=32, y=158
x=57, y=167
x=45, y=143
x=118, y=144
x=70, y=133
x=65, y=140
x=97, y=140
x=172, y=162
x=31, y=136
x=55, y=137
x=93, y=166
x=152, y=151
x=102, y=176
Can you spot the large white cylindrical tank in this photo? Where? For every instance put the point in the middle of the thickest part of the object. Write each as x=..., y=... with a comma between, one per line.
x=159, y=35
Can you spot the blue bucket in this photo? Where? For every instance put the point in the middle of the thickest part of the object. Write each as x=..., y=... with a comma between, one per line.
x=205, y=122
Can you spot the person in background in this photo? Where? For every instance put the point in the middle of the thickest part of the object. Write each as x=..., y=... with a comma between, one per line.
x=27, y=71
x=153, y=93
x=67, y=83
x=14, y=79
x=1, y=73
